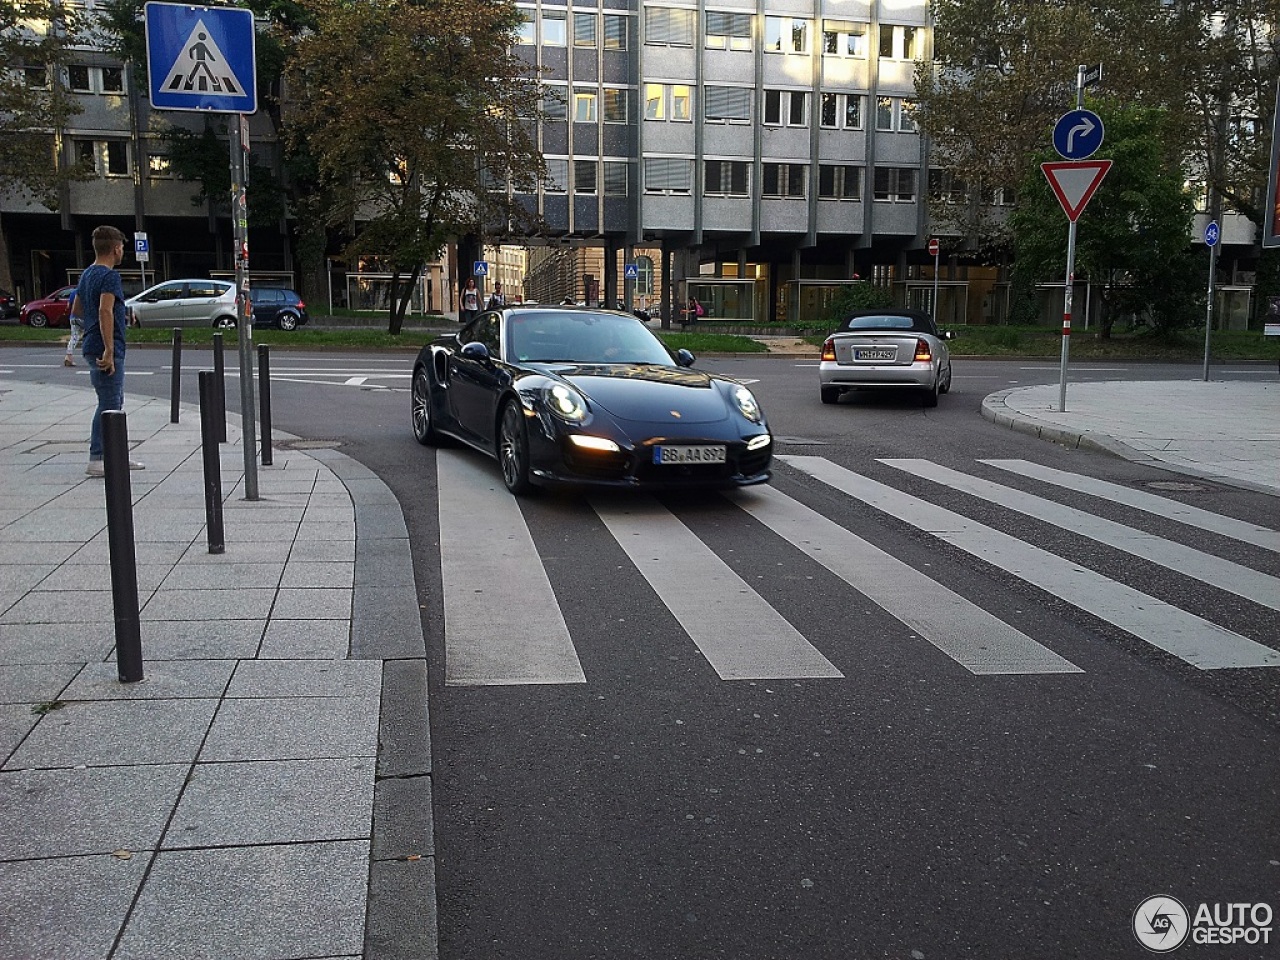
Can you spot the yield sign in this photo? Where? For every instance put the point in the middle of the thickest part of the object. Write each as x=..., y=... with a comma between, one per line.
x=1074, y=182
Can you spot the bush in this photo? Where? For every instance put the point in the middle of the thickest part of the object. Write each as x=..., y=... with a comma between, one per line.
x=858, y=296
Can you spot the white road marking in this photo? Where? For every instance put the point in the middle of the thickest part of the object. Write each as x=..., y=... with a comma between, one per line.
x=1202, y=644
x=969, y=635
x=1223, y=574
x=1149, y=502
x=740, y=634
x=354, y=381
x=503, y=625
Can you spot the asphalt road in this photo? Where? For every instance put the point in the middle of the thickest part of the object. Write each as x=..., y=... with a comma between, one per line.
x=907, y=807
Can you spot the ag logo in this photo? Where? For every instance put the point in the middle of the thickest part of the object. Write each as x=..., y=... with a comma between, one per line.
x=1161, y=924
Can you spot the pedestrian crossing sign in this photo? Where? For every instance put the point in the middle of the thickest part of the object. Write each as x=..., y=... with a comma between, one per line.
x=201, y=58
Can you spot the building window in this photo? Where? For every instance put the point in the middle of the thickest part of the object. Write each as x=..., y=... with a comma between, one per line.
x=615, y=105
x=615, y=178
x=839, y=182
x=667, y=175
x=615, y=32
x=946, y=187
x=554, y=30
x=1004, y=197
x=644, y=276
x=584, y=106
x=584, y=176
x=36, y=77
x=842, y=111
x=901, y=43
x=117, y=158
x=786, y=35
x=112, y=80
x=787, y=107
x=843, y=39
x=554, y=105
x=896, y=184
x=664, y=101
x=584, y=29
x=668, y=27
x=894, y=114
x=726, y=178
x=728, y=31
x=557, y=176
x=159, y=166
x=78, y=78
x=726, y=103
x=527, y=32
x=784, y=180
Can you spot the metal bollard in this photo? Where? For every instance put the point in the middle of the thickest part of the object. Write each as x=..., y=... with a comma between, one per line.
x=175, y=375
x=264, y=400
x=220, y=385
x=124, y=568
x=212, y=463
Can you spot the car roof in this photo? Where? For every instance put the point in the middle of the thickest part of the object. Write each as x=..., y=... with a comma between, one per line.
x=920, y=321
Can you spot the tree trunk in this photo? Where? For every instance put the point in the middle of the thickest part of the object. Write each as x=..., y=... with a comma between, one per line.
x=403, y=300
x=6, y=274
x=396, y=318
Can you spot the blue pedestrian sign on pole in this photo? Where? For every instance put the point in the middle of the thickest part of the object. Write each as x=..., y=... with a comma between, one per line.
x=480, y=268
x=1078, y=135
x=1212, y=234
x=630, y=271
x=201, y=58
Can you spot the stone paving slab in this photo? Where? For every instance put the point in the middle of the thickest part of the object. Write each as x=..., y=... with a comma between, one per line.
x=201, y=639
x=54, y=642
x=259, y=679
x=293, y=729
x=35, y=682
x=303, y=639
x=162, y=680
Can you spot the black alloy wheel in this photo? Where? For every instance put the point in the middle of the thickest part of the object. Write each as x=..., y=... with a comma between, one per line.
x=513, y=449
x=424, y=428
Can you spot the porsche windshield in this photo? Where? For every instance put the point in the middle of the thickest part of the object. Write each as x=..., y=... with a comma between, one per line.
x=548, y=336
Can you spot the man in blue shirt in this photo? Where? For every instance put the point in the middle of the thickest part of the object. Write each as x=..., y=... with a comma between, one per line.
x=100, y=298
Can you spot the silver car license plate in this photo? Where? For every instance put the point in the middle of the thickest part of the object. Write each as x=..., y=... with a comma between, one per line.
x=689, y=453
x=875, y=353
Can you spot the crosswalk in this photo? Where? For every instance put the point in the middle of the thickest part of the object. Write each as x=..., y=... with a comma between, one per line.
x=503, y=623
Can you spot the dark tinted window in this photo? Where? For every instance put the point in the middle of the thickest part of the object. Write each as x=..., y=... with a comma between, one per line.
x=891, y=321
x=205, y=288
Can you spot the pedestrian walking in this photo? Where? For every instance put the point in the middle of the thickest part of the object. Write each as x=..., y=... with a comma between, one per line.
x=100, y=297
x=496, y=300
x=77, y=330
x=469, y=301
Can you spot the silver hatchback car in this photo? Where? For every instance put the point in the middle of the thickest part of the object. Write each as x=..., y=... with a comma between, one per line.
x=886, y=348
x=210, y=303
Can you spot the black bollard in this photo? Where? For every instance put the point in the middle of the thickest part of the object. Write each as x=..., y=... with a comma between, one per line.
x=220, y=385
x=175, y=376
x=264, y=400
x=124, y=567
x=212, y=463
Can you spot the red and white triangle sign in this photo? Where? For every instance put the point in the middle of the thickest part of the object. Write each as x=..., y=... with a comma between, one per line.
x=1074, y=181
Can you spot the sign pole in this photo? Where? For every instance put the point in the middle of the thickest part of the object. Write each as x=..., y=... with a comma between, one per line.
x=1068, y=289
x=244, y=316
x=1211, y=238
x=936, y=249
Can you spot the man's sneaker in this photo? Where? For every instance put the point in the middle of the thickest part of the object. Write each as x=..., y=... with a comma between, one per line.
x=95, y=469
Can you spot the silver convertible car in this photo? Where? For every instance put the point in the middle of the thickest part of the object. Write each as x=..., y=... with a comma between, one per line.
x=875, y=349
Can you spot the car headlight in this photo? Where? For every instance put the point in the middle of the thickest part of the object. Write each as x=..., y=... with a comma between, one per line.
x=747, y=405
x=566, y=403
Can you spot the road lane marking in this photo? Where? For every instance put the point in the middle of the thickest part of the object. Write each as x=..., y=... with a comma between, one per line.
x=1223, y=574
x=1202, y=644
x=975, y=639
x=740, y=634
x=502, y=623
x=1148, y=502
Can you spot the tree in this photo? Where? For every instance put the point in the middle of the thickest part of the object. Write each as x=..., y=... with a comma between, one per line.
x=1133, y=239
x=413, y=113
x=35, y=38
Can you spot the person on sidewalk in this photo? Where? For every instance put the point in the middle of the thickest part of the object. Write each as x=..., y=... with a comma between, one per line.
x=496, y=300
x=469, y=302
x=77, y=330
x=100, y=297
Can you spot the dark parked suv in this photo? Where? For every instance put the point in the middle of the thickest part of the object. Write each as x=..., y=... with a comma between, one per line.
x=277, y=307
x=8, y=305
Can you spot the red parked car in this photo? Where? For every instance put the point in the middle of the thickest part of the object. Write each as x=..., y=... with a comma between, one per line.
x=50, y=311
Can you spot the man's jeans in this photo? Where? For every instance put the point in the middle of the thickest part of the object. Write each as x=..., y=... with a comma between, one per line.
x=110, y=389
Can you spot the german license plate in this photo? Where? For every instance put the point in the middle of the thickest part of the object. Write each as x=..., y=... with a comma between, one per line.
x=875, y=353
x=689, y=453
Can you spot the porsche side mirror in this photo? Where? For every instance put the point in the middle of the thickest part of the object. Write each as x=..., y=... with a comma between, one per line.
x=475, y=350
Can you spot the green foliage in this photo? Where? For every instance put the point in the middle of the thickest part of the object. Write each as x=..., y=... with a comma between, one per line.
x=857, y=296
x=1134, y=237
x=203, y=158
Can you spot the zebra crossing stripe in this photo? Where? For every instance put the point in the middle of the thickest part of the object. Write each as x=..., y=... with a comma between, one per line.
x=1223, y=574
x=969, y=635
x=1150, y=503
x=490, y=569
x=740, y=634
x=1202, y=644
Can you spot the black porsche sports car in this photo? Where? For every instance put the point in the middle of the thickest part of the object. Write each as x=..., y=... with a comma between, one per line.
x=566, y=395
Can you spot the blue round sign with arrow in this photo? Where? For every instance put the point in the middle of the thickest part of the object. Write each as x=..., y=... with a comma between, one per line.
x=1212, y=234
x=1078, y=135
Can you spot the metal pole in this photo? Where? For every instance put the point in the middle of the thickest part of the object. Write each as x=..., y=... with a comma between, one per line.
x=1208, y=316
x=212, y=464
x=936, y=258
x=1069, y=286
x=124, y=569
x=175, y=375
x=244, y=313
x=220, y=386
x=264, y=395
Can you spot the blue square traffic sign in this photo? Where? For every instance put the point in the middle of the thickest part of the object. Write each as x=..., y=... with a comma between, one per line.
x=201, y=58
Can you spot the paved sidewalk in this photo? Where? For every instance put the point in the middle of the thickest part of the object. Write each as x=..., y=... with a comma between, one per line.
x=1224, y=431
x=225, y=806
